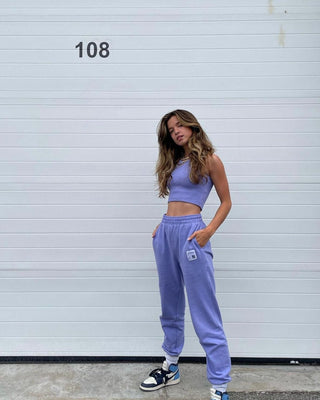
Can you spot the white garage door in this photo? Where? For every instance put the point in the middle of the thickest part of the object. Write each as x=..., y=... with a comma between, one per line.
x=83, y=86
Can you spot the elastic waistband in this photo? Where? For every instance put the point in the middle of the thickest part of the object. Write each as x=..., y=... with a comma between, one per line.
x=184, y=219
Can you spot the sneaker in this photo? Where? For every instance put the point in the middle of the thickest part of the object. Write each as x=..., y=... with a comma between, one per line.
x=161, y=377
x=216, y=395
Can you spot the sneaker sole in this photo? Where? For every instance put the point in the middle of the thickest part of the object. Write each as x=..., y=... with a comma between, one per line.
x=152, y=389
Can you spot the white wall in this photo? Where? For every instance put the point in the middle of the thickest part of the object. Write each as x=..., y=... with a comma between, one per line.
x=78, y=148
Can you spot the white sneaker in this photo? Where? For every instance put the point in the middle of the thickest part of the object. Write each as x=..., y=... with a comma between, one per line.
x=160, y=377
x=216, y=395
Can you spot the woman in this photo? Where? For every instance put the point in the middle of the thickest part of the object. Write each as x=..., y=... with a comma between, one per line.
x=187, y=168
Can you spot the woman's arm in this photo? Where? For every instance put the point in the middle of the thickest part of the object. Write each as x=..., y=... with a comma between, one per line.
x=220, y=181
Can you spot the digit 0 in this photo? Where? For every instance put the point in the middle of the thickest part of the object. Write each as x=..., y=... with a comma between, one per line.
x=92, y=45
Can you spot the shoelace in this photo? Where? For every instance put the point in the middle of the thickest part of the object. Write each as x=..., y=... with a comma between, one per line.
x=159, y=373
x=214, y=394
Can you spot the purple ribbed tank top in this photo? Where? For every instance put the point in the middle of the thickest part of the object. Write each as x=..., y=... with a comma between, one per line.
x=182, y=189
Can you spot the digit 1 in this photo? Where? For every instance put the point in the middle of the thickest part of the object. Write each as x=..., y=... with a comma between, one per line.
x=80, y=45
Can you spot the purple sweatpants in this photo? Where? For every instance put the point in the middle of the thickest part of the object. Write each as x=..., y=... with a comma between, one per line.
x=184, y=263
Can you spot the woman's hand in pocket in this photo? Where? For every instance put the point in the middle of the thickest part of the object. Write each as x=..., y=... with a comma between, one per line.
x=154, y=232
x=202, y=237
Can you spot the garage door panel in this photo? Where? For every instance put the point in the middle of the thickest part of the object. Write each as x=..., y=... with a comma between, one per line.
x=78, y=148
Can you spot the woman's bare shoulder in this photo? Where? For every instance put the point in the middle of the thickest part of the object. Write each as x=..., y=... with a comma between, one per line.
x=214, y=163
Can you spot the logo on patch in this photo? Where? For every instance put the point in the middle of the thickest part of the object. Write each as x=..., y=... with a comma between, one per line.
x=191, y=255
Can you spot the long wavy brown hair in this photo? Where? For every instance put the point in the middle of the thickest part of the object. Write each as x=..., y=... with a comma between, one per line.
x=170, y=154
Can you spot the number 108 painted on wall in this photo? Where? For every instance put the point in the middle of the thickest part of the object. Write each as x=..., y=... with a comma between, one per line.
x=93, y=49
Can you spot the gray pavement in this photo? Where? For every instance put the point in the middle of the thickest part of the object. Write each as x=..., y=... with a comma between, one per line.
x=120, y=381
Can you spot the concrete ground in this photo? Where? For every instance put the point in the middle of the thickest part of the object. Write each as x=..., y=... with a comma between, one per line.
x=120, y=381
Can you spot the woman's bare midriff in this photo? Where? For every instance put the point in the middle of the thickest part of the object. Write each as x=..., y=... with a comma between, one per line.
x=180, y=208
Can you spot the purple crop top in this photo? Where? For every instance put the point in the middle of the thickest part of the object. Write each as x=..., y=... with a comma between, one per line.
x=182, y=189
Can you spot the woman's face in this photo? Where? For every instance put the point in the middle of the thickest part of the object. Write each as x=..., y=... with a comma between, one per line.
x=179, y=134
